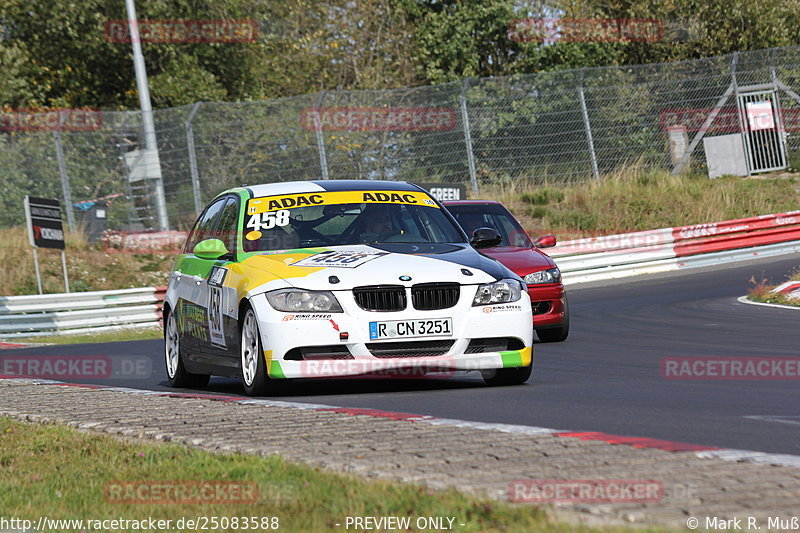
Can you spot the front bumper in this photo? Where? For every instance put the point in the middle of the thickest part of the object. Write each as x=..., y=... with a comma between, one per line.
x=347, y=336
x=548, y=305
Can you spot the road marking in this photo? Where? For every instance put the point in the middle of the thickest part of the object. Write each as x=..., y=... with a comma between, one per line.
x=793, y=420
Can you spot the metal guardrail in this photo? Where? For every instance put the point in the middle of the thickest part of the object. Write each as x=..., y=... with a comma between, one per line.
x=582, y=260
x=83, y=312
x=662, y=250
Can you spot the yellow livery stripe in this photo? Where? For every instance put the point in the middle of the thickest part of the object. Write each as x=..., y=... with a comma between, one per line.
x=293, y=201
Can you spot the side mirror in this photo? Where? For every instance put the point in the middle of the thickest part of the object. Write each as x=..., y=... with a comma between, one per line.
x=545, y=241
x=485, y=238
x=210, y=249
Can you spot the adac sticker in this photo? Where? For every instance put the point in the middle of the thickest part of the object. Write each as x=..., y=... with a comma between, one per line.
x=342, y=259
x=292, y=201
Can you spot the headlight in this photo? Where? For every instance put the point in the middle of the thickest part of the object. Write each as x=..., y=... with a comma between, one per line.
x=552, y=275
x=300, y=301
x=503, y=291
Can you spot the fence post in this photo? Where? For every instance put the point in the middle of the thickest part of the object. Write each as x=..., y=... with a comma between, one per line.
x=193, y=158
x=62, y=170
x=588, y=127
x=323, y=158
x=473, y=176
x=731, y=90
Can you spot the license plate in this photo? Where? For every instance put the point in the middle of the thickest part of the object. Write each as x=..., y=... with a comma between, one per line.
x=428, y=327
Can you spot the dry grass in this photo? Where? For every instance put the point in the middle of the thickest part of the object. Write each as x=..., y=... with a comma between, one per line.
x=89, y=267
x=635, y=199
x=762, y=291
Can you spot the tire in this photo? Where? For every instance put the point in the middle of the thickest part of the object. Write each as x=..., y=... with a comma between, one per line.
x=255, y=379
x=177, y=374
x=556, y=334
x=508, y=376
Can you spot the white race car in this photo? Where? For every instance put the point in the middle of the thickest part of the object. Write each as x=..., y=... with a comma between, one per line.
x=340, y=278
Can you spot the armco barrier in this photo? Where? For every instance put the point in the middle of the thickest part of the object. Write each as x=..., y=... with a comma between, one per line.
x=582, y=260
x=663, y=250
x=57, y=314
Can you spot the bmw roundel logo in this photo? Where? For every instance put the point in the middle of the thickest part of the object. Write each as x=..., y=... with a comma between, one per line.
x=405, y=278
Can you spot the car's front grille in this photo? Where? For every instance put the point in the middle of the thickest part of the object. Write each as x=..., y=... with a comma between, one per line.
x=388, y=350
x=432, y=296
x=380, y=297
x=540, y=308
x=493, y=344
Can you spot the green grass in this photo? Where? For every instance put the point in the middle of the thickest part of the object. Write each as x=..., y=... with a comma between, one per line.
x=127, y=334
x=635, y=199
x=61, y=473
x=89, y=267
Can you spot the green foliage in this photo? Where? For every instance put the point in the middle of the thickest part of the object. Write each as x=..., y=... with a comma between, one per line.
x=543, y=196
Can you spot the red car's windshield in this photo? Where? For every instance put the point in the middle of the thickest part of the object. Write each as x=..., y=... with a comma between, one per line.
x=474, y=216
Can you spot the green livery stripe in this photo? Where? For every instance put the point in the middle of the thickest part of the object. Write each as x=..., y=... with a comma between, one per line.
x=275, y=370
x=511, y=358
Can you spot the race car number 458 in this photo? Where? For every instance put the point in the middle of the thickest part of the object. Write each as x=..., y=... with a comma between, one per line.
x=410, y=328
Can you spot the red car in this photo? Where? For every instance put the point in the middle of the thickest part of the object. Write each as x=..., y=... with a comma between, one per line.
x=524, y=257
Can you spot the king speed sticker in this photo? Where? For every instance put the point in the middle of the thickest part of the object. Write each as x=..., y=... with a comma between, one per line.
x=345, y=259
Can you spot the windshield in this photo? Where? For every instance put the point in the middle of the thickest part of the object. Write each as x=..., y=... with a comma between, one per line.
x=474, y=216
x=344, y=217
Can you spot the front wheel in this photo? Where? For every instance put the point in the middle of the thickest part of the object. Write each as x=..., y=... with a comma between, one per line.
x=177, y=374
x=508, y=376
x=255, y=379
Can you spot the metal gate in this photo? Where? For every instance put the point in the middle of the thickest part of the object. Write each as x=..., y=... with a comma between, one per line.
x=762, y=130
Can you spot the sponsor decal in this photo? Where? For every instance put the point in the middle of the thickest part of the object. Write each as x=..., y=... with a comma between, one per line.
x=294, y=201
x=340, y=259
x=501, y=308
x=310, y=316
x=192, y=321
x=216, y=295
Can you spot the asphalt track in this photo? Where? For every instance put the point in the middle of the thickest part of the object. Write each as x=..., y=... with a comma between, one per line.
x=607, y=376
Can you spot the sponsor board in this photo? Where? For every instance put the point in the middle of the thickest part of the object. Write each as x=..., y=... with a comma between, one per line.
x=45, y=229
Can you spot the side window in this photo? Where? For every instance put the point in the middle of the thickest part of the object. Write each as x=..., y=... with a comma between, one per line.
x=205, y=225
x=226, y=229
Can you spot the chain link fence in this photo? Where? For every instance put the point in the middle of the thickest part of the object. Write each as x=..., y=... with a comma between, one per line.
x=546, y=128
